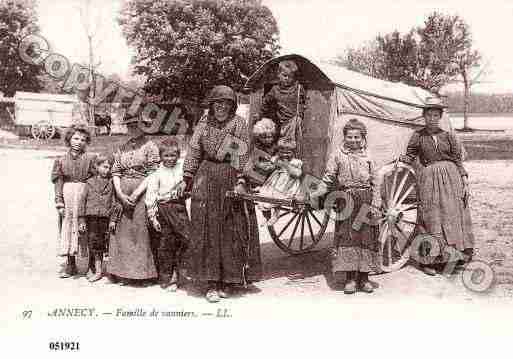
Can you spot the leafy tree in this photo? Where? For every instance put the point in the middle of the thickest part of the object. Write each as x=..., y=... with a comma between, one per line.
x=185, y=47
x=17, y=19
x=430, y=56
x=367, y=59
x=399, y=57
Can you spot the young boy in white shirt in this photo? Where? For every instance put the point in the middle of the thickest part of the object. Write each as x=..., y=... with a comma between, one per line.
x=167, y=213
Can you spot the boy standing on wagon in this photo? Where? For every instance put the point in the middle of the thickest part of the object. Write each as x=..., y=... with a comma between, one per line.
x=98, y=213
x=167, y=213
x=284, y=103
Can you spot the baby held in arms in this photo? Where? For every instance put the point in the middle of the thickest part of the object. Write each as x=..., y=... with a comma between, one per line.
x=285, y=180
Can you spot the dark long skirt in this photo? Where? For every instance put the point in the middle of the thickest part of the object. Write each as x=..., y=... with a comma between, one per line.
x=174, y=239
x=443, y=211
x=219, y=245
x=130, y=249
x=355, y=250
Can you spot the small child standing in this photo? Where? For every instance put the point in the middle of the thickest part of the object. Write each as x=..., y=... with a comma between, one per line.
x=350, y=168
x=167, y=213
x=284, y=103
x=98, y=214
x=285, y=181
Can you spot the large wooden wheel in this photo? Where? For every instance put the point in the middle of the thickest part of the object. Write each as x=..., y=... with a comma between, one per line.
x=399, y=215
x=42, y=130
x=298, y=228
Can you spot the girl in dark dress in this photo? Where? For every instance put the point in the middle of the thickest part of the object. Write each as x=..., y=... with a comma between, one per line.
x=221, y=253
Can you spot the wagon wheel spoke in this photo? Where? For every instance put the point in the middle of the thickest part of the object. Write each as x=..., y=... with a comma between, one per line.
x=409, y=207
x=408, y=221
x=291, y=239
x=284, y=235
x=385, y=183
x=399, y=189
x=312, y=236
x=287, y=211
x=302, y=231
x=382, y=231
x=394, y=182
x=389, y=244
x=315, y=217
x=404, y=237
x=287, y=225
x=405, y=194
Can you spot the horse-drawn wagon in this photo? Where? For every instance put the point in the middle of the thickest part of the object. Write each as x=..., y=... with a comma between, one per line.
x=333, y=95
x=43, y=115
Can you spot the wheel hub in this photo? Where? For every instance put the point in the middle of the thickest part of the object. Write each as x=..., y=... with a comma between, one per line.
x=393, y=215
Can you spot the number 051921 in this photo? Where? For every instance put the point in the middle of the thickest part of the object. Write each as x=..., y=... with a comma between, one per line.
x=64, y=346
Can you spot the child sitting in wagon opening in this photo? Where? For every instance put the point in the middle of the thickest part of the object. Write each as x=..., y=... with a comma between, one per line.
x=167, y=213
x=98, y=214
x=264, y=133
x=284, y=103
x=351, y=169
x=284, y=182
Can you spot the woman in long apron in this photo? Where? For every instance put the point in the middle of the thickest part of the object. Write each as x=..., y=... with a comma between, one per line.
x=130, y=249
x=443, y=192
x=224, y=248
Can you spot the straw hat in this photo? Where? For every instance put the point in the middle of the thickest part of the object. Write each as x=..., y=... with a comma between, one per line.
x=434, y=102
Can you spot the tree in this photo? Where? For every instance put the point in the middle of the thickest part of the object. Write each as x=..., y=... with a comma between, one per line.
x=18, y=19
x=430, y=56
x=92, y=25
x=367, y=59
x=448, y=53
x=184, y=48
x=399, y=57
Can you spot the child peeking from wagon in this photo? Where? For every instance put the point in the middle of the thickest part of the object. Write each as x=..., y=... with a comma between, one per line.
x=285, y=180
x=264, y=133
x=167, y=213
x=284, y=103
x=98, y=213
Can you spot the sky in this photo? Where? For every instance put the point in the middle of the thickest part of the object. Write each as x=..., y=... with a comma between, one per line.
x=319, y=29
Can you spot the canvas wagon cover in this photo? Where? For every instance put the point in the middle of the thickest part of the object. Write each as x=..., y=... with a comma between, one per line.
x=391, y=111
x=31, y=108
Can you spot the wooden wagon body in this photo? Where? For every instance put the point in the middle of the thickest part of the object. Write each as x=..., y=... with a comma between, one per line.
x=333, y=95
x=42, y=115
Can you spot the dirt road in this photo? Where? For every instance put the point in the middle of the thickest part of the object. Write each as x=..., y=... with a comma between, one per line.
x=28, y=263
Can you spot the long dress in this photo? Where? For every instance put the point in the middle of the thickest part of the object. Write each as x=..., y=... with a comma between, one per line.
x=221, y=240
x=130, y=249
x=69, y=174
x=355, y=246
x=443, y=209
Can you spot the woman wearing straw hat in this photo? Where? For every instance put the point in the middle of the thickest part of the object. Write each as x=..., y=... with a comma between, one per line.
x=443, y=192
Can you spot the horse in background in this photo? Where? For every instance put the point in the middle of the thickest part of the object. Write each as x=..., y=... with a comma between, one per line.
x=103, y=120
